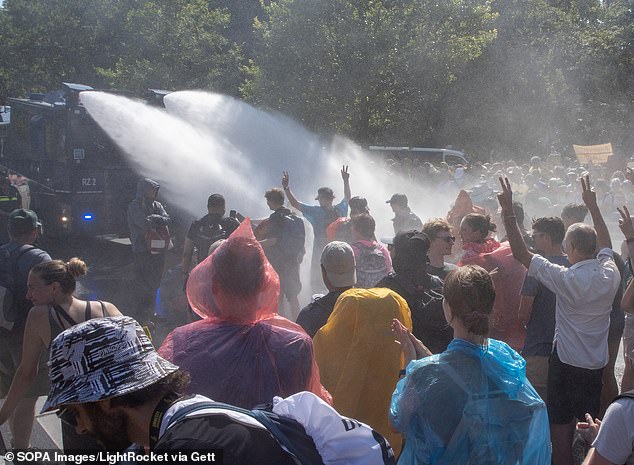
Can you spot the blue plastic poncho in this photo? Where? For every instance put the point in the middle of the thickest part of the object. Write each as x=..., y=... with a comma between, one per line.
x=471, y=404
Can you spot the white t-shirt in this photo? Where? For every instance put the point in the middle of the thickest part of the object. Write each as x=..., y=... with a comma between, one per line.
x=585, y=293
x=615, y=441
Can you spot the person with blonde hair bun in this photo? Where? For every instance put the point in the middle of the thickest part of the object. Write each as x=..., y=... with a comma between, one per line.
x=50, y=289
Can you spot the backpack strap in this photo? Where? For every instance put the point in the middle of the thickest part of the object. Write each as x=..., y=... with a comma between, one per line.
x=282, y=439
x=103, y=309
x=87, y=313
x=14, y=261
x=258, y=415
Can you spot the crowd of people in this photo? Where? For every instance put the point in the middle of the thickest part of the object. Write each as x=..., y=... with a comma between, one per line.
x=465, y=339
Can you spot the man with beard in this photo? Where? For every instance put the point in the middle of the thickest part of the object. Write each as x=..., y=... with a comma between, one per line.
x=207, y=230
x=108, y=381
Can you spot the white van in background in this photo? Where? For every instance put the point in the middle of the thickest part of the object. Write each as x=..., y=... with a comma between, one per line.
x=432, y=155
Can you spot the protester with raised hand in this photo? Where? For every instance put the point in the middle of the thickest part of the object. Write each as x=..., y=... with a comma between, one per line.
x=585, y=292
x=627, y=305
x=320, y=216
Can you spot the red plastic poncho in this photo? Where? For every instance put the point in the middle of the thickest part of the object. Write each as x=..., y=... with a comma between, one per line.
x=242, y=352
x=508, y=284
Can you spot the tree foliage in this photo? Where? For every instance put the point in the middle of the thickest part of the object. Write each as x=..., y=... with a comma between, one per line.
x=127, y=44
x=556, y=75
x=370, y=69
x=175, y=44
x=495, y=77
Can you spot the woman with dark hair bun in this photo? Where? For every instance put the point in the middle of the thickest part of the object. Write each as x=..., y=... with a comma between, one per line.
x=472, y=403
x=50, y=289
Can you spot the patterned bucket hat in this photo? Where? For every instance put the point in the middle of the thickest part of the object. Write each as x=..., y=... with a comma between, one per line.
x=102, y=358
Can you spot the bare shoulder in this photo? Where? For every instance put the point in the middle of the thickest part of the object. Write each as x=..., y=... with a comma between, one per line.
x=112, y=310
x=37, y=324
x=38, y=314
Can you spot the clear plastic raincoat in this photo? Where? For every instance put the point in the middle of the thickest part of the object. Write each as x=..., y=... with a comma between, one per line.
x=471, y=404
x=242, y=352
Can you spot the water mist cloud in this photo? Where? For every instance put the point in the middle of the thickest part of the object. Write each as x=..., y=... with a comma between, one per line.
x=208, y=143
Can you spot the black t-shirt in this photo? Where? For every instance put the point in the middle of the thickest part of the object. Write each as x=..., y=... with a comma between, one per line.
x=441, y=272
x=425, y=304
x=241, y=443
x=205, y=232
x=315, y=315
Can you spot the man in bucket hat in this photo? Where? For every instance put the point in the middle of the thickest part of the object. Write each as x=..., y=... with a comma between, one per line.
x=109, y=382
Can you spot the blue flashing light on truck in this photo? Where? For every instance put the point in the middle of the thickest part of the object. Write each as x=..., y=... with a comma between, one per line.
x=79, y=181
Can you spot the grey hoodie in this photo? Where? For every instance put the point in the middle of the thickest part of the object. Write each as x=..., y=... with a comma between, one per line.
x=143, y=215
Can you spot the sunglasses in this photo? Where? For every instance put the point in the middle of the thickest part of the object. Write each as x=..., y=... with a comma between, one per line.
x=67, y=416
x=448, y=238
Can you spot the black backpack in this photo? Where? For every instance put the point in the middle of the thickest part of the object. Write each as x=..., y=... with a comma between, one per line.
x=9, y=302
x=289, y=434
x=294, y=236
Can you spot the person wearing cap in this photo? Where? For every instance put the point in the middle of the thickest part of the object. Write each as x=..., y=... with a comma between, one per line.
x=9, y=200
x=320, y=216
x=207, y=230
x=20, y=255
x=421, y=290
x=146, y=214
x=109, y=383
x=341, y=228
x=404, y=219
x=338, y=273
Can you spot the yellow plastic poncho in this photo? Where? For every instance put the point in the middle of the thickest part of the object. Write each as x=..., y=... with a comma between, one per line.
x=358, y=358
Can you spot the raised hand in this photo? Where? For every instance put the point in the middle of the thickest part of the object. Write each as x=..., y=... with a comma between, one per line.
x=285, y=179
x=625, y=223
x=401, y=335
x=506, y=196
x=413, y=349
x=589, y=429
x=345, y=175
x=588, y=196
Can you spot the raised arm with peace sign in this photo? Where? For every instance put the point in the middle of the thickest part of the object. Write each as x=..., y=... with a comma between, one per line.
x=518, y=246
x=590, y=199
